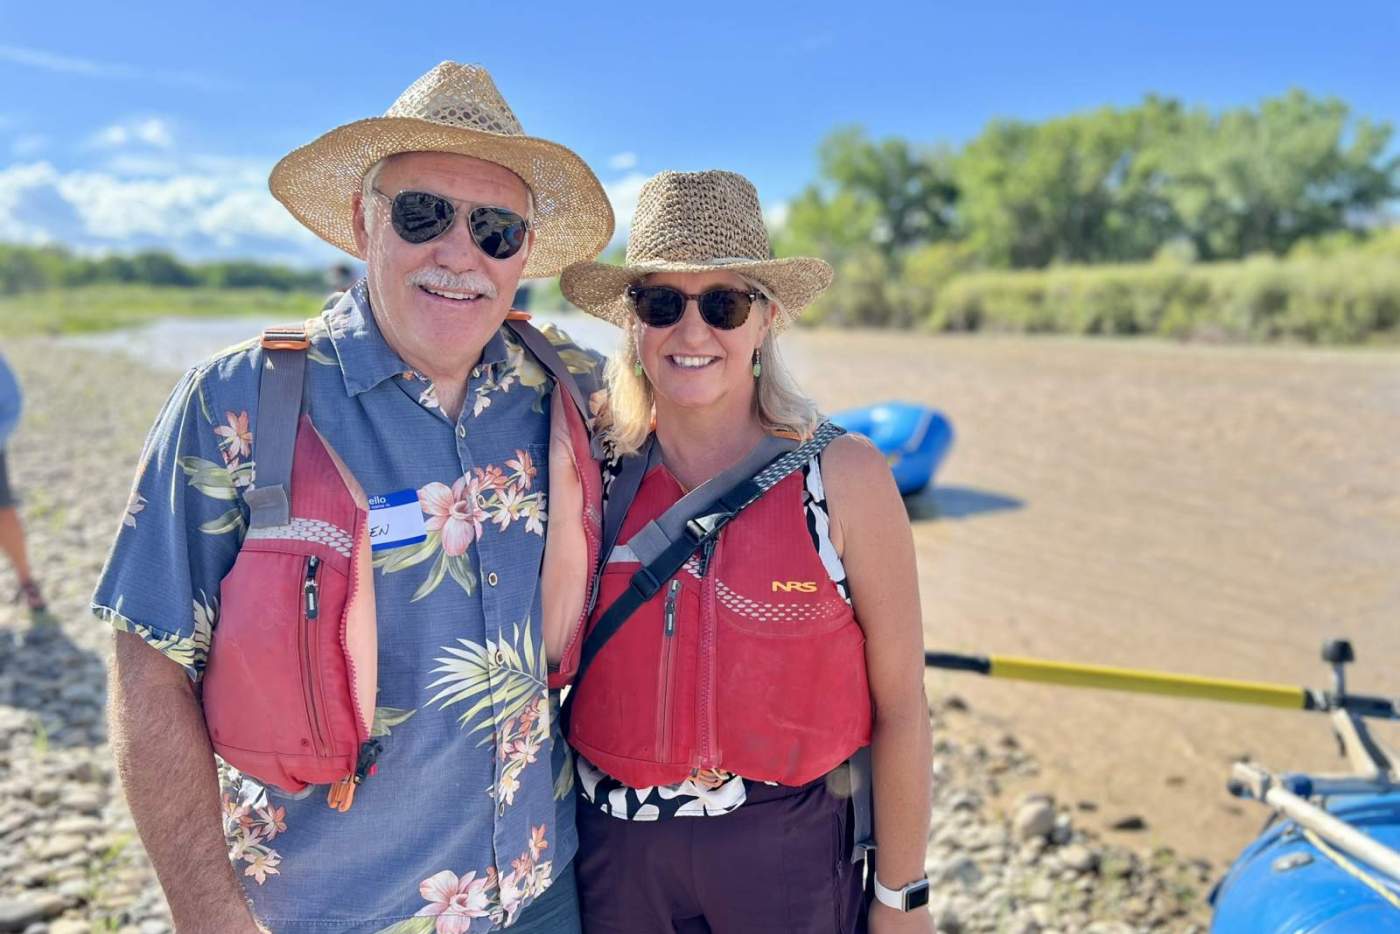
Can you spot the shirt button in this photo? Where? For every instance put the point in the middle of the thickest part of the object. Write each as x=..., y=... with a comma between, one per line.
x=476, y=372
x=500, y=657
x=492, y=579
x=461, y=431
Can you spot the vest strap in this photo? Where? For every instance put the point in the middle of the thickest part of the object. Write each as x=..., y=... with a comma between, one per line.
x=280, y=390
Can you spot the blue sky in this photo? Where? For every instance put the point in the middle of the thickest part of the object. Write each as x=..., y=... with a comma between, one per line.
x=154, y=124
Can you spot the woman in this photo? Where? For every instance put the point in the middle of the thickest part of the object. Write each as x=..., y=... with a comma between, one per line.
x=713, y=728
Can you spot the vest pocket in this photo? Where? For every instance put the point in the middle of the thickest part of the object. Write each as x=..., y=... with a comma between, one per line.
x=279, y=654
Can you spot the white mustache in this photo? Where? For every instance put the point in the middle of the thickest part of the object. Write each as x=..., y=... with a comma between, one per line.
x=435, y=277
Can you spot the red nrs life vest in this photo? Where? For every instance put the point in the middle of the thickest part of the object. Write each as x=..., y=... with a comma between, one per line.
x=750, y=661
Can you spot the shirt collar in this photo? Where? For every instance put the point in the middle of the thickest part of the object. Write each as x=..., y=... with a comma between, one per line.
x=366, y=359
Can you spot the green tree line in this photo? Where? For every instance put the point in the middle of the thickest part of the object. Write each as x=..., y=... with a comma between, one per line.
x=31, y=269
x=1292, y=178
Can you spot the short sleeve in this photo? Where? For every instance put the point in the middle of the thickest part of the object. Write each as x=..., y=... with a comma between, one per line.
x=9, y=402
x=182, y=527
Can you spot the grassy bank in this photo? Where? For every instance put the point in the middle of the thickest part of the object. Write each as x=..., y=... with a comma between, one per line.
x=104, y=307
x=1341, y=292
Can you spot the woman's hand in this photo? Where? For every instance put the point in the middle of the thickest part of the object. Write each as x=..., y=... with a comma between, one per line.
x=886, y=920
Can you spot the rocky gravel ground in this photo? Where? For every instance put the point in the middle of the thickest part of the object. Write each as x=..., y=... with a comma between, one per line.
x=71, y=861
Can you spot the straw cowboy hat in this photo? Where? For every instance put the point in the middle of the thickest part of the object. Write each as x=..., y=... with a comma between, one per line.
x=697, y=222
x=453, y=108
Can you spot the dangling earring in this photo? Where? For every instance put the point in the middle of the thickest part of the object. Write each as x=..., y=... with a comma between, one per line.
x=757, y=364
x=637, y=368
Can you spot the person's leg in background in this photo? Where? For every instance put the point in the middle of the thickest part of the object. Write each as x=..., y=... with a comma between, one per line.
x=13, y=545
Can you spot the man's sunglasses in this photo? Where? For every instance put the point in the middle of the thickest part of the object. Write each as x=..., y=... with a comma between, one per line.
x=660, y=306
x=420, y=216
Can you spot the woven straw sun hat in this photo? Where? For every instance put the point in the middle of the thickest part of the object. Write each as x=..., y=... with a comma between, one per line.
x=697, y=222
x=453, y=108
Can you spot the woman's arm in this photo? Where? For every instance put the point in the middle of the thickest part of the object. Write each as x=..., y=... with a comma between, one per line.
x=870, y=529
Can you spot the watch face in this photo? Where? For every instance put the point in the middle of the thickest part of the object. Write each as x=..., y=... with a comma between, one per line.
x=916, y=896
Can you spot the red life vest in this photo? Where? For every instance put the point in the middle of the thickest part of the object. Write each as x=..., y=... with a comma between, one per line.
x=748, y=661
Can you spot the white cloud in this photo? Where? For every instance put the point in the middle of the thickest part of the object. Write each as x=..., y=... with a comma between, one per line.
x=623, y=161
x=29, y=144
x=64, y=64
x=86, y=67
x=775, y=215
x=148, y=131
x=222, y=210
x=623, y=194
x=20, y=184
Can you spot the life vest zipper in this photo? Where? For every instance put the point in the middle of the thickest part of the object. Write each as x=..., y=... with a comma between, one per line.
x=705, y=712
x=310, y=611
x=668, y=649
x=342, y=793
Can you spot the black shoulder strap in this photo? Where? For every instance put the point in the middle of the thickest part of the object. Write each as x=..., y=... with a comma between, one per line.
x=665, y=544
x=543, y=351
x=280, y=390
x=631, y=471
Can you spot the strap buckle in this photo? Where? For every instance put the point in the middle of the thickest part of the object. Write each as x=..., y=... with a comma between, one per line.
x=285, y=337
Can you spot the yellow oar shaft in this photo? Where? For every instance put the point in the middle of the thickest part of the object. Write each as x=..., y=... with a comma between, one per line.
x=1149, y=682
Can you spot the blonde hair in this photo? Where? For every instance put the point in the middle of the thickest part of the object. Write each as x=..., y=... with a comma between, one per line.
x=779, y=402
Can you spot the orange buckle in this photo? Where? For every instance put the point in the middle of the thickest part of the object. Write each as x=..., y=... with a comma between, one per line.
x=285, y=337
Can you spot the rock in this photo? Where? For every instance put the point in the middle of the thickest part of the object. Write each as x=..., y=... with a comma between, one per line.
x=1131, y=822
x=1109, y=927
x=1079, y=858
x=1116, y=866
x=946, y=919
x=84, y=800
x=1064, y=830
x=57, y=847
x=954, y=702
x=1035, y=818
x=1041, y=890
x=70, y=926
x=960, y=869
x=16, y=914
x=44, y=795
x=1023, y=923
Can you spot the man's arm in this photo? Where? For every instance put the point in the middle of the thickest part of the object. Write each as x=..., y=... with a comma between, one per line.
x=166, y=766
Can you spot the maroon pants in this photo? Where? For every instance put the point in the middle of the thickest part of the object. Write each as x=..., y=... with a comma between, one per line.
x=776, y=865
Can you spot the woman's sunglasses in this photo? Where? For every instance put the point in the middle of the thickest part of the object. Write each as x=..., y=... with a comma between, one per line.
x=420, y=216
x=660, y=306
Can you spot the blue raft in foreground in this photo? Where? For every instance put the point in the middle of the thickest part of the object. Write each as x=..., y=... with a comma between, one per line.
x=913, y=438
x=1290, y=882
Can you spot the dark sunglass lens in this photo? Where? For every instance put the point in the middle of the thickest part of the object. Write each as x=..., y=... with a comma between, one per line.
x=419, y=216
x=499, y=233
x=725, y=309
x=658, y=306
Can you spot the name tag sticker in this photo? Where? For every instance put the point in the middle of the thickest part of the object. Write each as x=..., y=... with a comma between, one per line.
x=395, y=520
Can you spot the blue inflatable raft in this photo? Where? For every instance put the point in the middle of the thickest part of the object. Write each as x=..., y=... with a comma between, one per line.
x=1289, y=881
x=913, y=438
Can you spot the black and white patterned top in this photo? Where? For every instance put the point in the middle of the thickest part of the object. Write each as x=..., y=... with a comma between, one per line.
x=714, y=791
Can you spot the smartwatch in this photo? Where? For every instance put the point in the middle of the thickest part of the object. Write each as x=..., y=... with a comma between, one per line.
x=914, y=895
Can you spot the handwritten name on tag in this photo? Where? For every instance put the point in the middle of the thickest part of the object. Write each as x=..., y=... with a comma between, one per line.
x=395, y=520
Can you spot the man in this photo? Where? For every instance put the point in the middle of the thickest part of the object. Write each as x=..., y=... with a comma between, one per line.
x=412, y=380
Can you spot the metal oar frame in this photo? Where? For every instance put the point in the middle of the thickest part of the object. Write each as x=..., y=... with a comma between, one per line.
x=1375, y=768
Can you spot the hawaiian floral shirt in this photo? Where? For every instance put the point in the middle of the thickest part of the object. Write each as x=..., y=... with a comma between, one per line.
x=470, y=814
